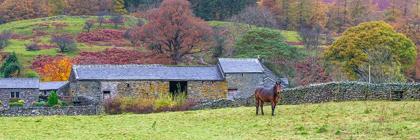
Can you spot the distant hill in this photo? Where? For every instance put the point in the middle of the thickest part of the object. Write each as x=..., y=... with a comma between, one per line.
x=382, y=4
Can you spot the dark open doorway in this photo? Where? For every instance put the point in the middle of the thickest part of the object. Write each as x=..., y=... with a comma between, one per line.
x=178, y=87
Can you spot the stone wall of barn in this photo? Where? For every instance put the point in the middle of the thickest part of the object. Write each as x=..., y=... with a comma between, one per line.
x=28, y=95
x=207, y=91
x=85, y=88
x=245, y=84
x=135, y=88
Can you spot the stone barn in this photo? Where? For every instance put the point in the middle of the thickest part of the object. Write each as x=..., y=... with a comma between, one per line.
x=21, y=88
x=230, y=78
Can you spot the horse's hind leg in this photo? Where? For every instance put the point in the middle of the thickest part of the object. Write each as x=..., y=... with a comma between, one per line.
x=257, y=102
x=262, y=105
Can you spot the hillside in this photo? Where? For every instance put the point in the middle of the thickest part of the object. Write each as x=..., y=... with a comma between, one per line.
x=41, y=30
x=343, y=120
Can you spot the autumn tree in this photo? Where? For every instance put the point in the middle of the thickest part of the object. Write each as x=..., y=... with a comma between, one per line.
x=119, y=7
x=83, y=7
x=64, y=43
x=393, y=13
x=88, y=25
x=58, y=7
x=101, y=17
x=301, y=12
x=57, y=70
x=367, y=44
x=319, y=16
x=254, y=16
x=4, y=38
x=173, y=30
x=117, y=20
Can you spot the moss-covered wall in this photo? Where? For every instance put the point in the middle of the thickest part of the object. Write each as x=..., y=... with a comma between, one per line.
x=206, y=91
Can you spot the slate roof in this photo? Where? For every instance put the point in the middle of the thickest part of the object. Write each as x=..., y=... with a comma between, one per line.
x=240, y=65
x=146, y=72
x=19, y=83
x=52, y=85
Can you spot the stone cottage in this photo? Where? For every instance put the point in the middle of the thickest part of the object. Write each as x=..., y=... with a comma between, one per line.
x=22, y=88
x=230, y=78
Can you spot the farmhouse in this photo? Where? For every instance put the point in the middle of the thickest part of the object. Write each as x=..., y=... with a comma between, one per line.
x=20, y=89
x=230, y=78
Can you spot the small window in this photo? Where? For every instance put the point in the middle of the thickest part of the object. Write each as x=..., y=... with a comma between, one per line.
x=242, y=75
x=128, y=85
x=14, y=95
x=232, y=93
x=107, y=92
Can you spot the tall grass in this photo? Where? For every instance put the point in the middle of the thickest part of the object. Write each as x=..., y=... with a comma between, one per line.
x=151, y=104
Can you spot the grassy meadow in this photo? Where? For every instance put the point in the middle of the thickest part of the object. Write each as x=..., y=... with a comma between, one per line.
x=342, y=120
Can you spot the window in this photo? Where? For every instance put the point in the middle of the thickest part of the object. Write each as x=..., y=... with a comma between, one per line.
x=232, y=93
x=14, y=94
x=128, y=85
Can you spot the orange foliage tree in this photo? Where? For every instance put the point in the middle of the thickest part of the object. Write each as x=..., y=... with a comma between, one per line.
x=57, y=70
x=173, y=30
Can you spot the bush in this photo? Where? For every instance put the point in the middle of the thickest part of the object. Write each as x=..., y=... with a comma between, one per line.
x=12, y=100
x=21, y=101
x=52, y=99
x=0, y=102
x=64, y=103
x=32, y=47
x=31, y=74
x=39, y=104
x=16, y=104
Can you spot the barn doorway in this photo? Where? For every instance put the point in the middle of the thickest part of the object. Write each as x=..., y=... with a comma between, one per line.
x=178, y=87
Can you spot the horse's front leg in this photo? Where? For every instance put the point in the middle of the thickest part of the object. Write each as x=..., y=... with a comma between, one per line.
x=262, y=105
x=273, y=106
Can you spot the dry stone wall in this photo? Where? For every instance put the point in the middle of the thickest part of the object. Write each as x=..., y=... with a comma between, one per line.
x=50, y=111
x=333, y=91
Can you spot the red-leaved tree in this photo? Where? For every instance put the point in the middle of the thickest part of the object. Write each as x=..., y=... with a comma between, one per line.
x=173, y=30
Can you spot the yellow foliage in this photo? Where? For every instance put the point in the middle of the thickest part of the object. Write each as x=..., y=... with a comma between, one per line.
x=58, y=70
x=119, y=7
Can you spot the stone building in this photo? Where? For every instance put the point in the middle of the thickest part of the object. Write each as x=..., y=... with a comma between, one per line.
x=59, y=87
x=230, y=78
x=22, y=88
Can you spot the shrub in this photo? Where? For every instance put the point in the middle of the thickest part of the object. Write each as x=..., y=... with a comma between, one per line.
x=64, y=103
x=16, y=104
x=39, y=104
x=31, y=74
x=52, y=99
x=32, y=47
x=21, y=101
x=12, y=100
x=0, y=102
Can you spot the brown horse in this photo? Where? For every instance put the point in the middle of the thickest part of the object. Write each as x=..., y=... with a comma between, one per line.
x=267, y=95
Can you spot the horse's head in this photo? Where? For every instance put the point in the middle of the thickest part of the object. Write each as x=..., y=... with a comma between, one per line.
x=278, y=87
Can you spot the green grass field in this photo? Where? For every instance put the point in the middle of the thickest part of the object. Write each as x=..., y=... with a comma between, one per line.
x=343, y=120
